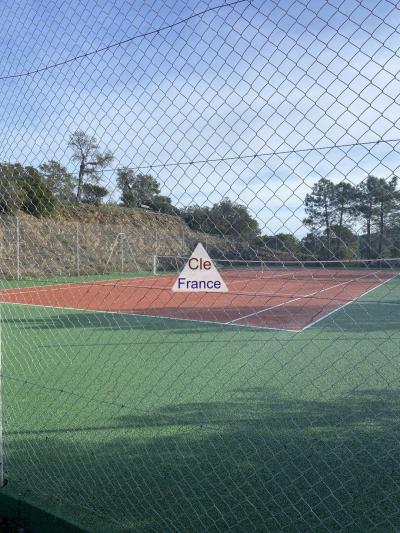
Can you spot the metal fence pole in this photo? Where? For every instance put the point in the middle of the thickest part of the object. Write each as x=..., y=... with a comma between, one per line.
x=1, y=412
x=18, y=251
x=78, y=259
x=155, y=252
x=122, y=237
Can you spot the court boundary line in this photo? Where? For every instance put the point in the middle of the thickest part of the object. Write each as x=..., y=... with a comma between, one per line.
x=127, y=313
x=116, y=283
x=348, y=303
x=28, y=290
x=231, y=323
x=71, y=284
x=113, y=281
x=306, y=296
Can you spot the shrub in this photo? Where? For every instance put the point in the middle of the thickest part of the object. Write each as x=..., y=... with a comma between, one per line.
x=37, y=198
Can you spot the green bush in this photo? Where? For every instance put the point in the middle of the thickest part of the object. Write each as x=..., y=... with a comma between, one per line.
x=23, y=188
x=93, y=194
x=38, y=200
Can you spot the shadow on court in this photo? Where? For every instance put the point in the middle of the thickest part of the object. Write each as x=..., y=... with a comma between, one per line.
x=104, y=321
x=364, y=316
x=368, y=316
x=257, y=463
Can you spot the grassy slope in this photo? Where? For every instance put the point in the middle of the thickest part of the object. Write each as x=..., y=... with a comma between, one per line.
x=178, y=426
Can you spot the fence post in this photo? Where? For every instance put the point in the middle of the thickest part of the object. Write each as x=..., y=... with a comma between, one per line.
x=155, y=253
x=78, y=259
x=122, y=237
x=1, y=411
x=18, y=250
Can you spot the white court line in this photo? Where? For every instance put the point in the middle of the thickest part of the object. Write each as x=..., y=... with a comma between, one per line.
x=284, y=278
x=261, y=278
x=153, y=316
x=348, y=303
x=298, y=298
x=77, y=285
x=30, y=290
x=230, y=323
x=108, y=283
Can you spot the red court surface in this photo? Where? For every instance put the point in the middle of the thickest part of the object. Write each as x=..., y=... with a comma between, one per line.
x=272, y=300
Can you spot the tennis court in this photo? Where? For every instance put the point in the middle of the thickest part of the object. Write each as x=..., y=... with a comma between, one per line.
x=149, y=418
x=200, y=266
x=289, y=297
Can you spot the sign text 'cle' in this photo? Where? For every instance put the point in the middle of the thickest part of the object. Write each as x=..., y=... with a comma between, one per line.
x=199, y=274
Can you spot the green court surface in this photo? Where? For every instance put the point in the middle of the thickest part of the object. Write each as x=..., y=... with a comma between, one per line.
x=126, y=423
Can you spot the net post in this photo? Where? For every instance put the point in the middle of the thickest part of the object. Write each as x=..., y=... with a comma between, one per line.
x=155, y=264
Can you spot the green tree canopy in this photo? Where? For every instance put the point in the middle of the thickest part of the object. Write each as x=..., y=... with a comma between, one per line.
x=38, y=200
x=313, y=246
x=23, y=188
x=329, y=205
x=137, y=189
x=11, y=194
x=344, y=241
x=163, y=204
x=378, y=201
x=319, y=206
x=59, y=180
x=197, y=217
x=283, y=242
x=387, y=202
x=225, y=219
x=366, y=208
x=228, y=219
x=344, y=205
x=86, y=152
x=93, y=194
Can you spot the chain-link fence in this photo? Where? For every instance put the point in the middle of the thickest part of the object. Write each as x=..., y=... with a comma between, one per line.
x=267, y=131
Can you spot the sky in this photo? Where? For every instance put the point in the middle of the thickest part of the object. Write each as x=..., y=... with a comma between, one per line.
x=266, y=88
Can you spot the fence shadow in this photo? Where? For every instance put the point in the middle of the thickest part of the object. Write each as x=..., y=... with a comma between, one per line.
x=365, y=316
x=360, y=316
x=98, y=320
x=260, y=462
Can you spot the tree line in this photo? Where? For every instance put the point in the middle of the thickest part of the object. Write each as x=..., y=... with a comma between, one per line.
x=344, y=220
x=338, y=213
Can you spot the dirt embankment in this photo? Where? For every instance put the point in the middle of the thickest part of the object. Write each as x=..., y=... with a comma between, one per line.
x=91, y=240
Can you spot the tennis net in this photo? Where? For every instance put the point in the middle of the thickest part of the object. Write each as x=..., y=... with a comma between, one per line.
x=308, y=269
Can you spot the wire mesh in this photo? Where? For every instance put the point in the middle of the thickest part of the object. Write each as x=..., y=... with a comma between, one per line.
x=269, y=132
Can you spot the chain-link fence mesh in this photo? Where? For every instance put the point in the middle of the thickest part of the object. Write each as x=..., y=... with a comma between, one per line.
x=267, y=131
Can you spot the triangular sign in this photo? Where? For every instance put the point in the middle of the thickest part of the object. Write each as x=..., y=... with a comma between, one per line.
x=199, y=274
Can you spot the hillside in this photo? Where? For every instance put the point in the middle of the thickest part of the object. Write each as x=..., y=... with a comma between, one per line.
x=93, y=240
